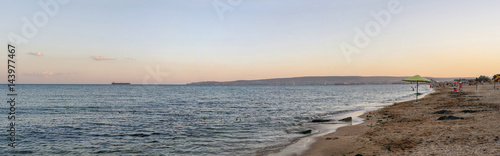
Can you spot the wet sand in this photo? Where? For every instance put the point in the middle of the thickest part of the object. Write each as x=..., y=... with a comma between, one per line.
x=443, y=123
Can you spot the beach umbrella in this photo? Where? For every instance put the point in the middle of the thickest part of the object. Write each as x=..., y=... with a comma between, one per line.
x=495, y=80
x=417, y=78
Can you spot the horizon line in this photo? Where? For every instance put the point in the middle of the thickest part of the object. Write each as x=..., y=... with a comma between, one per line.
x=224, y=81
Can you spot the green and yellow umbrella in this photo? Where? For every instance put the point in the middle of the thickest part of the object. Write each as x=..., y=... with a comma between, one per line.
x=496, y=78
x=417, y=78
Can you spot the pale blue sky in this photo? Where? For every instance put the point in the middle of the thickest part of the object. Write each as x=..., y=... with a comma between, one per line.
x=257, y=39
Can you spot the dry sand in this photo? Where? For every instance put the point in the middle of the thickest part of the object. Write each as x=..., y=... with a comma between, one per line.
x=407, y=128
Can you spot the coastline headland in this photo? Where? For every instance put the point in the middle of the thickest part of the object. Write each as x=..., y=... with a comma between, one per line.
x=319, y=80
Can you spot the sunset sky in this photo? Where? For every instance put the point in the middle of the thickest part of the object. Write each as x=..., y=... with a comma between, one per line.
x=182, y=41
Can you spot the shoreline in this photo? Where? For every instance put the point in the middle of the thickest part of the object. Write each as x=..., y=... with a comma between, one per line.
x=302, y=144
x=305, y=144
x=405, y=128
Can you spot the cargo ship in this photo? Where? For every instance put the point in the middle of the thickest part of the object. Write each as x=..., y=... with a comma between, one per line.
x=115, y=83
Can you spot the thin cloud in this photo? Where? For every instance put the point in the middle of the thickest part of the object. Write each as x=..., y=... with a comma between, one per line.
x=35, y=54
x=131, y=59
x=102, y=58
x=46, y=74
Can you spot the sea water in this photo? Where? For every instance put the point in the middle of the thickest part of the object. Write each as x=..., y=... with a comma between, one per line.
x=178, y=120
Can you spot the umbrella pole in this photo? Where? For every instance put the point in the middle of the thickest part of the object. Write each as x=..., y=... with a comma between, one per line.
x=417, y=92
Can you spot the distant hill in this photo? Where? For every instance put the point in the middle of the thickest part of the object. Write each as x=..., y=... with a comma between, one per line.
x=330, y=80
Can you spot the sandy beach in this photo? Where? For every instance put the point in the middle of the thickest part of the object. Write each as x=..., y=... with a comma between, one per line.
x=443, y=123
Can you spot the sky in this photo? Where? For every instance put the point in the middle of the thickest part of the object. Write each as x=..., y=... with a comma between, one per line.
x=178, y=42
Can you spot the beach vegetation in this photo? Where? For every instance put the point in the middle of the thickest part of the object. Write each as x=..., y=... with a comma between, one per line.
x=483, y=78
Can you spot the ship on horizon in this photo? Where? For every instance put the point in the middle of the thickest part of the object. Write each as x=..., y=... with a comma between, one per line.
x=120, y=83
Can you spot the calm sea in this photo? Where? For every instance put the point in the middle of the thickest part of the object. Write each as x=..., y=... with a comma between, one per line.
x=178, y=120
